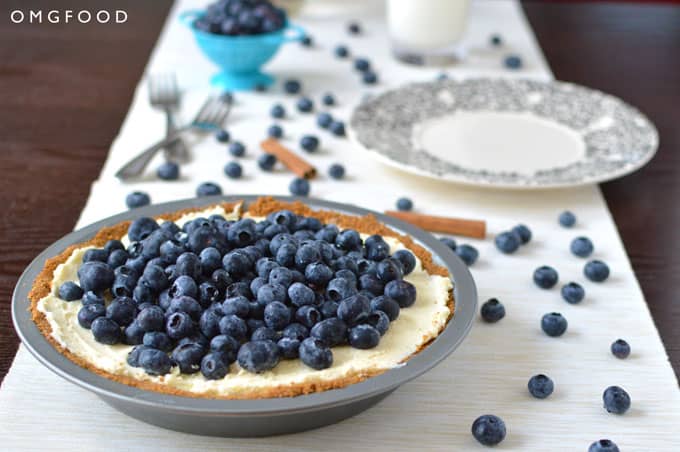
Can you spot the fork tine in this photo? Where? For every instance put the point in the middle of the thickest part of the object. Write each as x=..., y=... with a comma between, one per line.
x=202, y=115
x=216, y=114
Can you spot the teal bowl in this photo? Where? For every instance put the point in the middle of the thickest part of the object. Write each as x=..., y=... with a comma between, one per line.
x=240, y=58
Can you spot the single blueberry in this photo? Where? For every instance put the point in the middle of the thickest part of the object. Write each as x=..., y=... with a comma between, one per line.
x=299, y=187
x=362, y=64
x=88, y=313
x=168, y=171
x=567, y=219
x=331, y=331
x=179, y=325
x=513, y=62
x=315, y=354
x=379, y=321
x=276, y=315
x=324, y=120
x=289, y=347
x=292, y=86
x=157, y=340
x=208, y=189
x=106, y=331
x=309, y=143
x=137, y=199
x=354, y=28
x=300, y=294
x=388, y=270
x=451, y=243
x=386, y=305
x=133, y=334
x=363, y=337
x=95, y=276
x=336, y=171
x=264, y=333
x=307, y=41
x=545, y=277
x=369, y=77
x=233, y=326
x=151, y=318
x=304, y=105
x=616, y=400
x=540, y=386
x=278, y=111
x=328, y=100
x=274, y=131
x=258, y=356
x=188, y=357
x=407, y=260
x=96, y=254
x=554, y=324
x=492, y=311
x=403, y=292
x=354, y=310
x=266, y=162
x=488, y=429
x=318, y=274
x=620, y=349
x=70, y=291
x=573, y=293
x=496, y=40
x=523, y=232
x=337, y=128
x=154, y=362
x=581, y=247
x=507, y=242
x=596, y=271
x=233, y=170
x=226, y=345
x=404, y=204
x=341, y=51
x=213, y=366
x=222, y=136
x=237, y=149
x=603, y=445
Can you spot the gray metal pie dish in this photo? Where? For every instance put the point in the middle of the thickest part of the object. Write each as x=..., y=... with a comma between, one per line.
x=244, y=418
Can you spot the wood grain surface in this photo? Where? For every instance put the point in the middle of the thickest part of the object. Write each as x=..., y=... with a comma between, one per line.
x=66, y=88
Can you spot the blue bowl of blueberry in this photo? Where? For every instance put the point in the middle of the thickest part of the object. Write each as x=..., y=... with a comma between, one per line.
x=240, y=37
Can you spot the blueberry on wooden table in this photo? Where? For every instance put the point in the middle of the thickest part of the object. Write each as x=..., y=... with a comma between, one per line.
x=275, y=131
x=137, y=199
x=554, y=324
x=233, y=170
x=404, y=204
x=324, y=120
x=496, y=40
x=337, y=128
x=266, y=162
x=328, y=100
x=208, y=189
x=278, y=111
x=523, y=232
x=603, y=445
x=513, y=62
x=292, y=86
x=309, y=143
x=354, y=28
x=362, y=64
x=620, y=348
x=467, y=253
x=596, y=271
x=507, y=242
x=336, y=171
x=541, y=386
x=369, y=77
x=489, y=429
x=305, y=105
x=567, y=219
x=168, y=171
x=581, y=247
x=573, y=293
x=616, y=400
x=237, y=149
x=222, y=136
x=545, y=277
x=299, y=187
x=492, y=310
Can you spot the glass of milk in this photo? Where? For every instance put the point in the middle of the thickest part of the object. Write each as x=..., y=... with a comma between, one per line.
x=426, y=32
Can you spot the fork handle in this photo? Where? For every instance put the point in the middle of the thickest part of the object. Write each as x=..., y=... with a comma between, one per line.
x=136, y=166
x=177, y=150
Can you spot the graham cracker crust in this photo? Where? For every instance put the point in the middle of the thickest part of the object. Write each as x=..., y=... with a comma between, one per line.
x=261, y=207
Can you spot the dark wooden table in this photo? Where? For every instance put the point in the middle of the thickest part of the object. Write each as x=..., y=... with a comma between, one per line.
x=65, y=89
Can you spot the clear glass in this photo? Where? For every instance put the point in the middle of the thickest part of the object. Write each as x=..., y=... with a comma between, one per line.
x=427, y=32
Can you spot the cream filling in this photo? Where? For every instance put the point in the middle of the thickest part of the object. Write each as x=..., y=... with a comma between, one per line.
x=415, y=326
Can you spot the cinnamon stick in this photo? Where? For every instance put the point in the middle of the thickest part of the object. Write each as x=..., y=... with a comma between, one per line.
x=456, y=226
x=291, y=160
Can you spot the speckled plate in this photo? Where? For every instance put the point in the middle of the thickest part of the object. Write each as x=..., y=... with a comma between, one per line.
x=261, y=417
x=505, y=133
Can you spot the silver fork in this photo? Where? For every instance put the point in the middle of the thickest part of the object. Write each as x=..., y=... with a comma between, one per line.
x=209, y=118
x=164, y=95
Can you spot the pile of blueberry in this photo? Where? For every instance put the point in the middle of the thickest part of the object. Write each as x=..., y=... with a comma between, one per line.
x=241, y=17
x=216, y=291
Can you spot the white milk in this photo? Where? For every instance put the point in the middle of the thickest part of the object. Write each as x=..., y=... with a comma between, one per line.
x=426, y=25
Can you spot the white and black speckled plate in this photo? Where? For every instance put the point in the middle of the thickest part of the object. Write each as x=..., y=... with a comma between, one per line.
x=505, y=133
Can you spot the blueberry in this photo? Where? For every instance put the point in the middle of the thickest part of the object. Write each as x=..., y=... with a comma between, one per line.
x=523, y=232
x=388, y=270
x=369, y=77
x=292, y=86
x=554, y=324
x=226, y=345
x=448, y=242
x=184, y=285
x=507, y=242
x=150, y=318
x=336, y=171
x=620, y=349
x=213, y=366
x=133, y=334
x=296, y=331
x=369, y=282
x=301, y=295
x=492, y=311
x=70, y=291
x=168, y=171
x=318, y=274
x=237, y=149
x=340, y=288
x=354, y=310
x=264, y=333
x=362, y=64
x=238, y=306
x=337, y=128
x=603, y=445
x=95, y=276
x=154, y=278
x=567, y=219
x=573, y=293
x=309, y=143
x=141, y=228
x=513, y=62
x=407, y=260
x=117, y=258
x=540, y=386
x=330, y=331
x=96, y=254
x=545, y=277
x=386, y=305
x=307, y=41
x=289, y=347
x=258, y=356
x=341, y=51
x=113, y=245
x=315, y=354
x=379, y=321
x=276, y=315
x=106, y=331
x=233, y=170
x=404, y=204
x=88, y=313
x=137, y=199
x=403, y=292
x=92, y=298
x=179, y=325
x=157, y=340
x=188, y=357
x=581, y=247
x=595, y=270
x=324, y=120
x=299, y=187
x=488, y=429
x=496, y=40
x=616, y=400
x=133, y=357
x=266, y=162
x=274, y=131
x=185, y=304
x=237, y=263
x=154, y=362
x=233, y=326
x=354, y=28
x=278, y=111
x=348, y=240
x=304, y=105
x=328, y=100
x=208, y=189
x=222, y=136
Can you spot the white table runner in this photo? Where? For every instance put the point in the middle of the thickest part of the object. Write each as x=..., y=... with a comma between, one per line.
x=488, y=374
